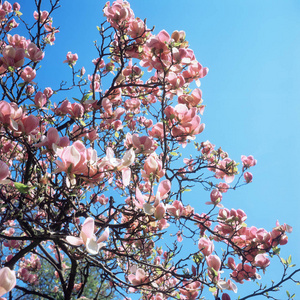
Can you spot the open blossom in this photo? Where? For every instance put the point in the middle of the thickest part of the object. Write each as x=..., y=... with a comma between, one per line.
x=261, y=260
x=88, y=237
x=7, y=280
x=139, y=277
x=28, y=74
x=71, y=58
x=153, y=167
x=158, y=209
x=42, y=16
x=120, y=164
x=12, y=57
x=191, y=290
x=118, y=13
x=248, y=161
x=53, y=140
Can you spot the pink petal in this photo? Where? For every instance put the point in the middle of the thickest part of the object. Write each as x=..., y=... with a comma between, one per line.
x=104, y=236
x=73, y=240
x=88, y=227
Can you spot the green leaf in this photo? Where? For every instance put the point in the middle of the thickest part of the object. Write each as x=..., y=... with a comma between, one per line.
x=174, y=153
x=187, y=190
x=289, y=260
x=212, y=289
x=87, y=96
x=116, y=134
x=22, y=188
x=283, y=260
x=82, y=123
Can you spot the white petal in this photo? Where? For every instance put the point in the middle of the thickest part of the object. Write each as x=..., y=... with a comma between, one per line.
x=92, y=247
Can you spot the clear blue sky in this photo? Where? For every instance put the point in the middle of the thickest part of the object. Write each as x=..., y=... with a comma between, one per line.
x=252, y=91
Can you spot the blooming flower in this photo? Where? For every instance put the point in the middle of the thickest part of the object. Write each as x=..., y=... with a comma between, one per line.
x=7, y=280
x=88, y=237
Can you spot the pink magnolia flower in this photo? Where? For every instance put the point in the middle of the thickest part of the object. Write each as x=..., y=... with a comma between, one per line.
x=10, y=25
x=191, y=290
x=4, y=171
x=143, y=144
x=248, y=161
x=227, y=285
x=12, y=57
x=42, y=16
x=158, y=43
x=48, y=92
x=6, y=6
x=140, y=277
x=88, y=237
x=40, y=99
x=118, y=13
x=216, y=198
x=206, y=246
x=120, y=164
x=153, y=167
x=74, y=158
x=28, y=124
x=18, y=41
x=53, y=140
x=248, y=177
x=157, y=131
x=175, y=209
x=158, y=209
x=71, y=58
x=261, y=260
x=7, y=280
x=192, y=100
x=213, y=261
x=16, y=6
x=28, y=74
x=34, y=53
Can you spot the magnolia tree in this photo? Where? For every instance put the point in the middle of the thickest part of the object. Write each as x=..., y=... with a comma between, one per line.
x=90, y=187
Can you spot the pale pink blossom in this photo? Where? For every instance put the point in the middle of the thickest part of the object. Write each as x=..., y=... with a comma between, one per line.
x=261, y=260
x=153, y=167
x=4, y=170
x=88, y=237
x=12, y=57
x=42, y=16
x=140, y=277
x=71, y=58
x=53, y=140
x=248, y=161
x=28, y=74
x=40, y=99
x=7, y=280
x=34, y=53
x=206, y=246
